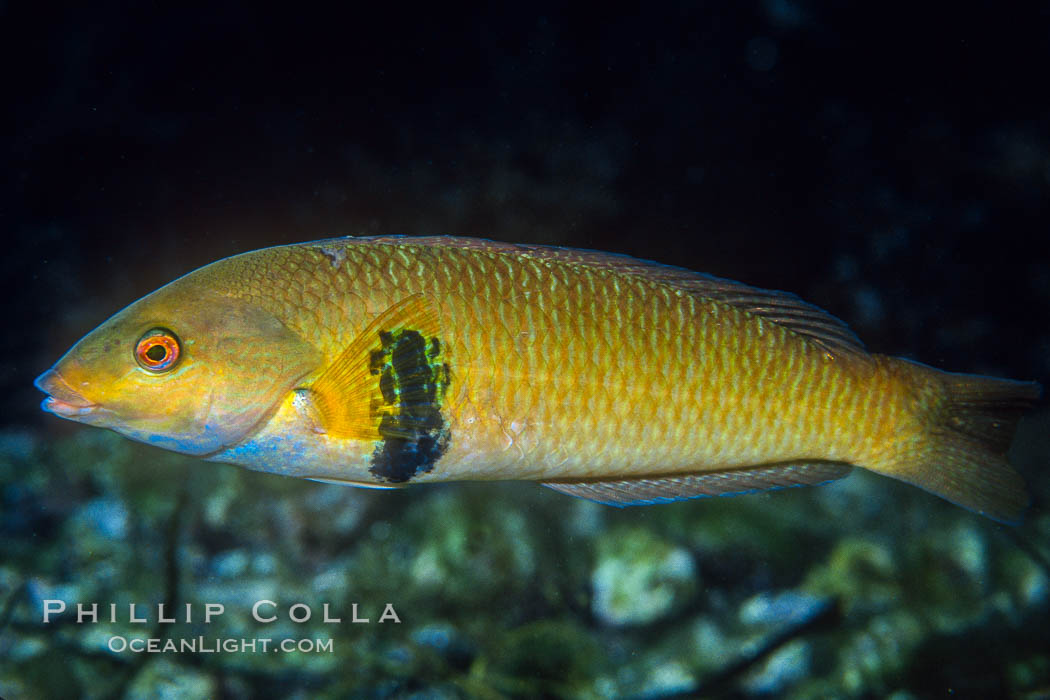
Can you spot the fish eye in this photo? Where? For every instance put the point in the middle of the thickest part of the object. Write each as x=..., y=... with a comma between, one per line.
x=157, y=350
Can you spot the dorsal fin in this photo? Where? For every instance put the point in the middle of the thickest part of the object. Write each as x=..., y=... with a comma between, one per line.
x=783, y=308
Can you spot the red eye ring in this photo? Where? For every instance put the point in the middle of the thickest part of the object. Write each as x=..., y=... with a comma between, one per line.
x=158, y=350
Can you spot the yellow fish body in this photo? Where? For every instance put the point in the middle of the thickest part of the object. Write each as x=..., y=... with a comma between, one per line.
x=387, y=361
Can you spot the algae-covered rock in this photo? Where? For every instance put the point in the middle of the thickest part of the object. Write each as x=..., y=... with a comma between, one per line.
x=656, y=674
x=771, y=609
x=780, y=670
x=163, y=680
x=542, y=658
x=450, y=551
x=639, y=578
x=861, y=573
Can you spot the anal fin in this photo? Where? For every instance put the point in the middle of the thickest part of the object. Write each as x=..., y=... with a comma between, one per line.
x=650, y=490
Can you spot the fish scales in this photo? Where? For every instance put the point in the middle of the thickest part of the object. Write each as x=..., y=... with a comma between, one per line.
x=677, y=385
x=392, y=360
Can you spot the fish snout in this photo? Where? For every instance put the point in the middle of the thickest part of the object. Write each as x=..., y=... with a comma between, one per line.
x=62, y=399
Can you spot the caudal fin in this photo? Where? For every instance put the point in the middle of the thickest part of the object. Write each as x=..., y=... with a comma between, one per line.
x=961, y=455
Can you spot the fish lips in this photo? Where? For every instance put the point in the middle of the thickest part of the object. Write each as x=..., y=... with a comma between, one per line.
x=63, y=400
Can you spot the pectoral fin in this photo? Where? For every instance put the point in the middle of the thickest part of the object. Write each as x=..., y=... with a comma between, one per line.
x=374, y=377
x=350, y=482
x=665, y=489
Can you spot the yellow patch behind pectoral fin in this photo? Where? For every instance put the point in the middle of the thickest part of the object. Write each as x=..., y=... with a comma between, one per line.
x=348, y=399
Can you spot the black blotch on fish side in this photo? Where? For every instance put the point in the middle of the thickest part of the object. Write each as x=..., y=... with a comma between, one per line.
x=412, y=382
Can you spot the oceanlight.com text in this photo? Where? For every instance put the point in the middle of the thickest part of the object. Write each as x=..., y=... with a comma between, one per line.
x=212, y=645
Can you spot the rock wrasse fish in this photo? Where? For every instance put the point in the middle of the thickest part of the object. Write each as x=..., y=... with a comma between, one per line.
x=388, y=361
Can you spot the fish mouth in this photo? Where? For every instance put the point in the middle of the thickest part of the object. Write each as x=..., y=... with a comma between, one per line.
x=62, y=399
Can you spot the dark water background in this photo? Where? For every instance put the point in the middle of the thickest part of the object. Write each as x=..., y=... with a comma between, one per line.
x=888, y=162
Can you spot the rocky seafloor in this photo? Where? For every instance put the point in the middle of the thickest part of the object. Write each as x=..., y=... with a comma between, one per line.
x=863, y=587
